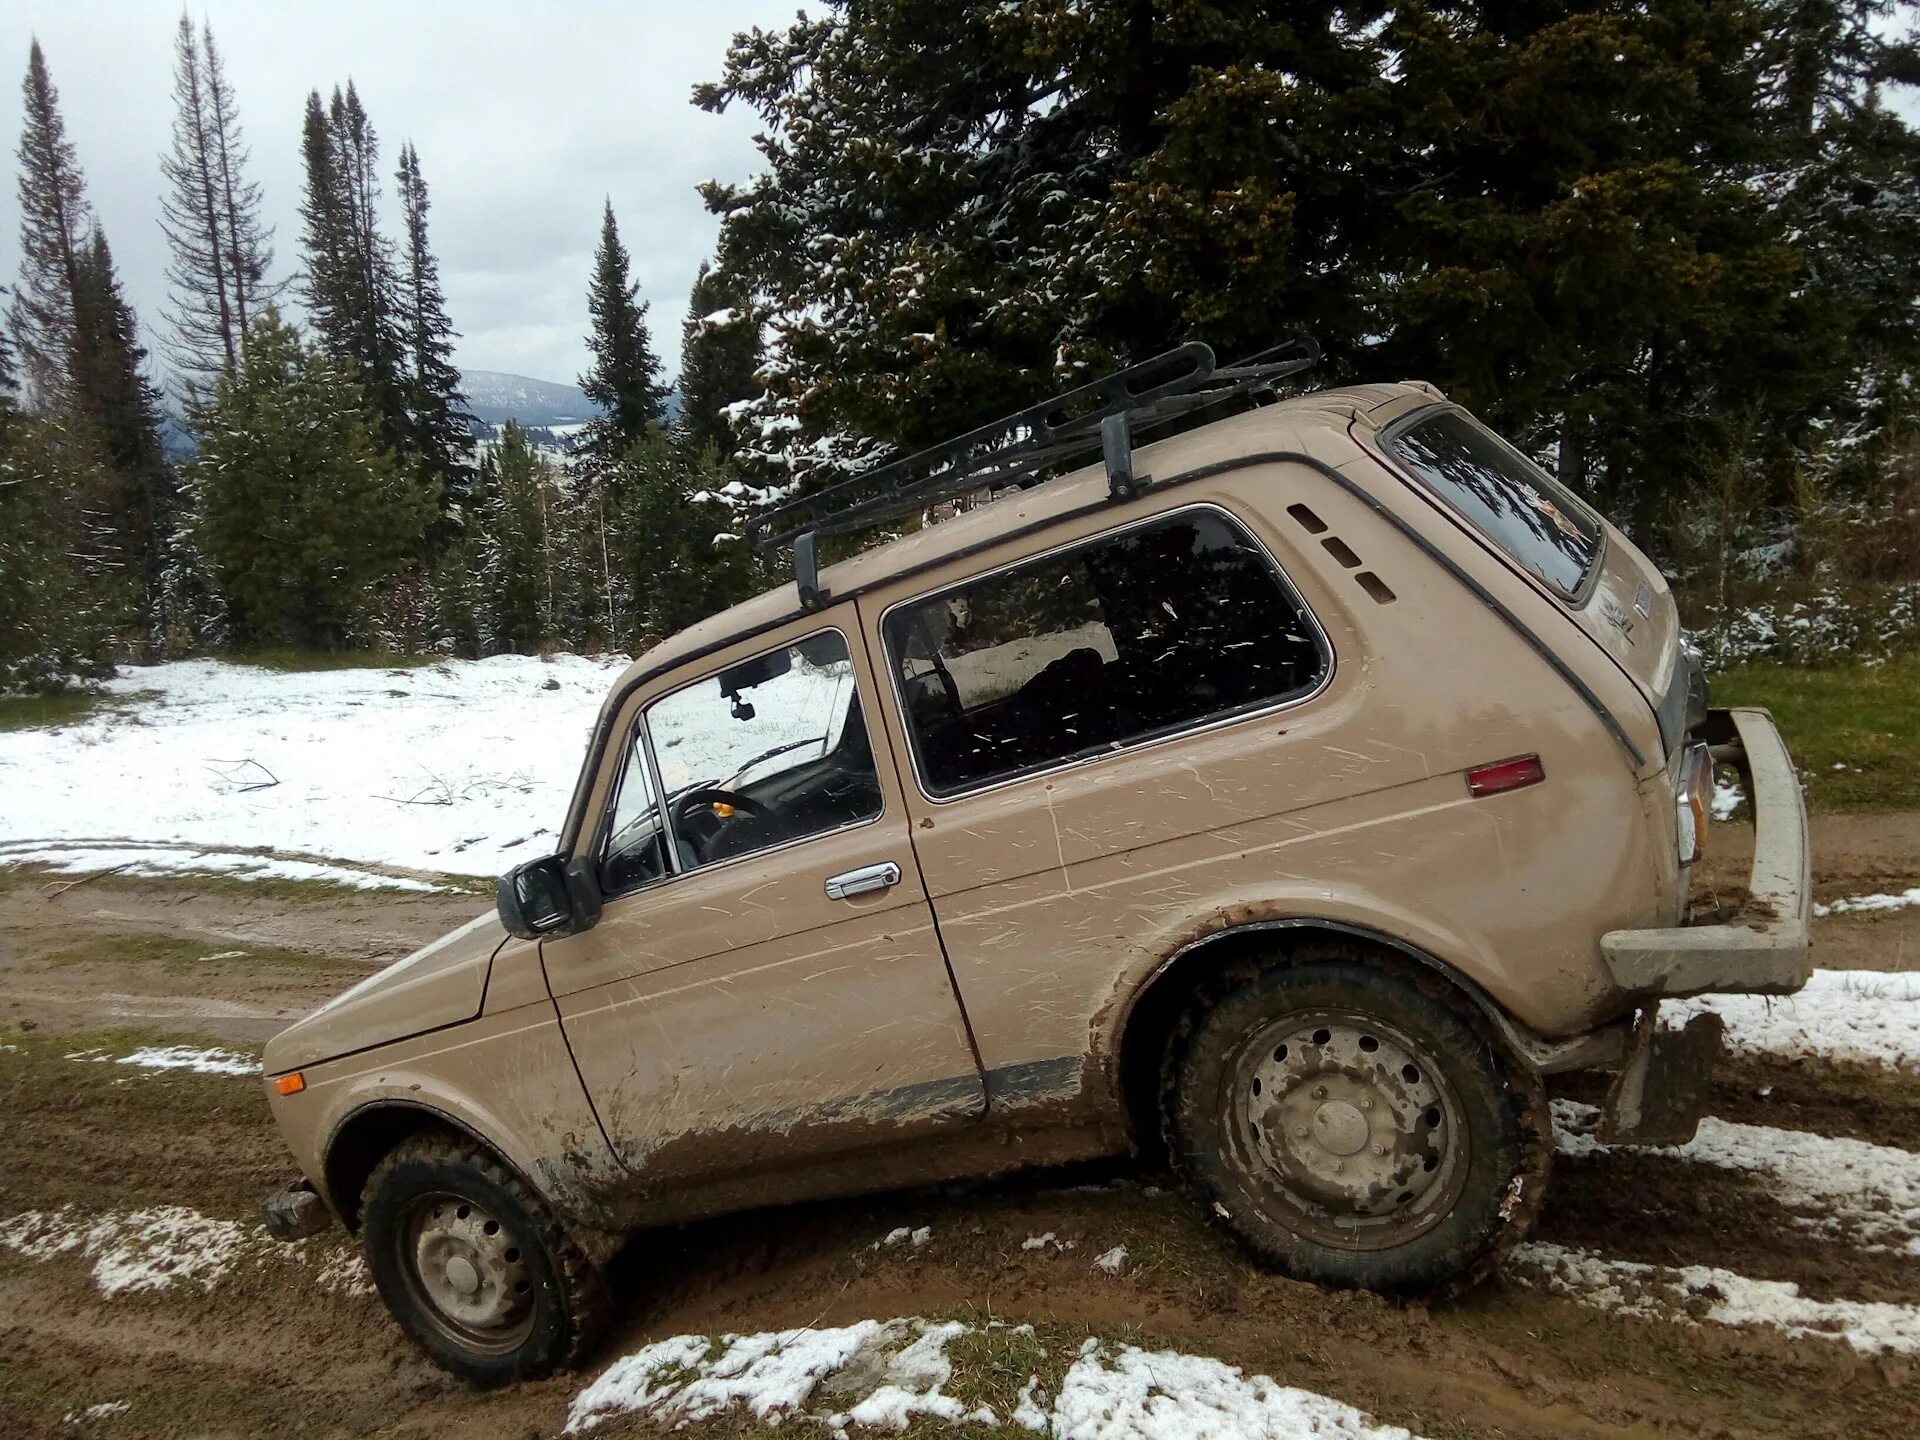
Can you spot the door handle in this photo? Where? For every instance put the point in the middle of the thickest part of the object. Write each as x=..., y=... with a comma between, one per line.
x=866, y=879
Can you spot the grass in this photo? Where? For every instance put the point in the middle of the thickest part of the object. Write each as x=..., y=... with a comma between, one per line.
x=176, y=955
x=65, y=707
x=299, y=660
x=1866, y=720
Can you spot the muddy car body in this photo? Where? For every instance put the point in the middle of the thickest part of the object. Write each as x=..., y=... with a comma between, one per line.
x=1287, y=797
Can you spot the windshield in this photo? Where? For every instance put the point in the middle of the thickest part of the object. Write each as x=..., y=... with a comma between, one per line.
x=1504, y=495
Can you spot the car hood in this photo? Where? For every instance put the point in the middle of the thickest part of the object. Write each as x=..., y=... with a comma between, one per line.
x=441, y=984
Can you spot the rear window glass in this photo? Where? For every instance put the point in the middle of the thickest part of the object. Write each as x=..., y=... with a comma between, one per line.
x=1508, y=498
x=1155, y=629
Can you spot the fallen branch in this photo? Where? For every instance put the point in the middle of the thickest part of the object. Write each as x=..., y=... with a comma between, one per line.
x=53, y=891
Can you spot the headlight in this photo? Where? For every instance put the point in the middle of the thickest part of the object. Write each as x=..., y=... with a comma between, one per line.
x=1693, y=801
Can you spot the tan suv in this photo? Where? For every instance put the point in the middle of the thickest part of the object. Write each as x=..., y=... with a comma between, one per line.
x=1284, y=798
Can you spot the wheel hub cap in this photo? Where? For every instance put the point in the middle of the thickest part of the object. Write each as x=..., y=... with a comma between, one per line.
x=1349, y=1118
x=469, y=1266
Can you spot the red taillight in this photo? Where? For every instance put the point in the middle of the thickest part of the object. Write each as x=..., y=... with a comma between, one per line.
x=1514, y=774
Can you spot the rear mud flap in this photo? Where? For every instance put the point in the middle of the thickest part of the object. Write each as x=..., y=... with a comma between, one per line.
x=1661, y=1090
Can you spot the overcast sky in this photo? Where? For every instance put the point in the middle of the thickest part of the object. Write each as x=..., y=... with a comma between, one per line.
x=526, y=116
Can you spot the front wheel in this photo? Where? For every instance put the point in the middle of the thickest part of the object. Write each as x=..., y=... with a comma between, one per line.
x=1356, y=1124
x=474, y=1267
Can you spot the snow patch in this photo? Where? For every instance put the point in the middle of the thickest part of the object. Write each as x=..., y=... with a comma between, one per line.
x=1693, y=1293
x=1864, y=1016
x=898, y=1370
x=209, y=1061
x=1847, y=1189
x=1134, y=1394
x=142, y=859
x=104, y=1411
x=1862, y=904
x=1113, y=1262
x=133, y=1251
x=1042, y=1242
x=431, y=769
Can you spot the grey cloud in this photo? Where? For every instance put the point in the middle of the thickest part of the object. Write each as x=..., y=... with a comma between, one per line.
x=526, y=117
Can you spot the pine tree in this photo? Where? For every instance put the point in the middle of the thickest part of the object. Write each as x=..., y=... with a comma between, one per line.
x=54, y=219
x=112, y=396
x=210, y=213
x=624, y=380
x=1616, y=231
x=296, y=512
x=521, y=568
x=350, y=284
x=54, y=630
x=719, y=355
x=442, y=435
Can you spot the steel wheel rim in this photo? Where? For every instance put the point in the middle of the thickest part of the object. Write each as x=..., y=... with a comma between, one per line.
x=1347, y=1129
x=467, y=1273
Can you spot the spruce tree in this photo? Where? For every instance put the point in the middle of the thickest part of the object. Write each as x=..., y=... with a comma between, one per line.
x=119, y=409
x=1615, y=231
x=624, y=379
x=55, y=631
x=442, y=434
x=54, y=219
x=521, y=568
x=350, y=285
x=210, y=213
x=297, y=513
x=719, y=355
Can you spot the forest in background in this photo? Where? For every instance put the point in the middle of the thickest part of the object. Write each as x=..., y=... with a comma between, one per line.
x=1672, y=249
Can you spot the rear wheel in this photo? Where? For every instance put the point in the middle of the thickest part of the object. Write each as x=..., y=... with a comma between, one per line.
x=1356, y=1123
x=473, y=1265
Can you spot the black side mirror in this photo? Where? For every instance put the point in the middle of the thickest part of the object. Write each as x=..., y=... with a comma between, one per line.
x=547, y=898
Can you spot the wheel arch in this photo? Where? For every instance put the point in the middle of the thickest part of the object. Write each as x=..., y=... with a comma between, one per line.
x=1152, y=1014
x=367, y=1134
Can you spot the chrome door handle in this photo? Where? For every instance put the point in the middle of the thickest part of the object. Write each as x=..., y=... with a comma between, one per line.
x=867, y=878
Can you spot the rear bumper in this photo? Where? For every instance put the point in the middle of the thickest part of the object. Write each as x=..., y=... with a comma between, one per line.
x=1764, y=949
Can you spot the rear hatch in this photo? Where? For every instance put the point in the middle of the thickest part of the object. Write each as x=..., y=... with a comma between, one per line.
x=1602, y=580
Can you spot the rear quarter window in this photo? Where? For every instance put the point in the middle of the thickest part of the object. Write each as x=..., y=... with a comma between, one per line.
x=1167, y=625
x=1503, y=495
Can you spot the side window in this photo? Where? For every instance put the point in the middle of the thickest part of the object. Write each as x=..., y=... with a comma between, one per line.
x=1159, y=628
x=769, y=750
x=1504, y=495
x=636, y=850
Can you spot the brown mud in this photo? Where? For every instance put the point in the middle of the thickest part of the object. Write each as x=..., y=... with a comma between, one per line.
x=267, y=1352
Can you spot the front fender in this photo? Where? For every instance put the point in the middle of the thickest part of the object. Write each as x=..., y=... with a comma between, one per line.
x=505, y=1078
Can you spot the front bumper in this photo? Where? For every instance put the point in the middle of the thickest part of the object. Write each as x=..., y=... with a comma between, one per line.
x=1764, y=948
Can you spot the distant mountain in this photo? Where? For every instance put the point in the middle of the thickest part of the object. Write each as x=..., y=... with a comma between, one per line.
x=495, y=397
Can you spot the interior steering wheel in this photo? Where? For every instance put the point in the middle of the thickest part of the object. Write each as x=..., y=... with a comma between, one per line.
x=714, y=794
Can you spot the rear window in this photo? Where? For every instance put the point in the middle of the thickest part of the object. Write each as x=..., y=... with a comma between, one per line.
x=1504, y=495
x=1161, y=627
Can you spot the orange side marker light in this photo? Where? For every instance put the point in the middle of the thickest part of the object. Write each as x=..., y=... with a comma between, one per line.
x=291, y=1084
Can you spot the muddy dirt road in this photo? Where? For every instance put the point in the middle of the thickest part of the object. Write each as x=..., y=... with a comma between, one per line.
x=1765, y=1282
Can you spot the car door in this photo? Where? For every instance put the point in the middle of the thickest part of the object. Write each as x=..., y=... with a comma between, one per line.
x=765, y=983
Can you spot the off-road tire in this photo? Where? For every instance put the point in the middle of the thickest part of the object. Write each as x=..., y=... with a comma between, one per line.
x=567, y=1302
x=1495, y=1102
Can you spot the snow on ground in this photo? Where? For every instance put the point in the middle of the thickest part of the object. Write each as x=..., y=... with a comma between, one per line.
x=881, y=1374
x=209, y=1060
x=133, y=1250
x=1865, y=1016
x=1687, y=1294
x=139, y=858
x=462, y=767
x=1847, y=1189
x=1860, y=904
x=154, y=1249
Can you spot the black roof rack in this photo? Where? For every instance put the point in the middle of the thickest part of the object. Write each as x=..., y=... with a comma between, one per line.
x=1102, y=414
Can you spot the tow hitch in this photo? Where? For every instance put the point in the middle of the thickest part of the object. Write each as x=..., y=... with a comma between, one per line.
x=1661, y=1090
x=294, y=1211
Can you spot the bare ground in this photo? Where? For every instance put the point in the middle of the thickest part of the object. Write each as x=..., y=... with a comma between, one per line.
x=266, y=1351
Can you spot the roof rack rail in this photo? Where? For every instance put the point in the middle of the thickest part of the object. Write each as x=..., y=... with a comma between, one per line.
x=1102, y=415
